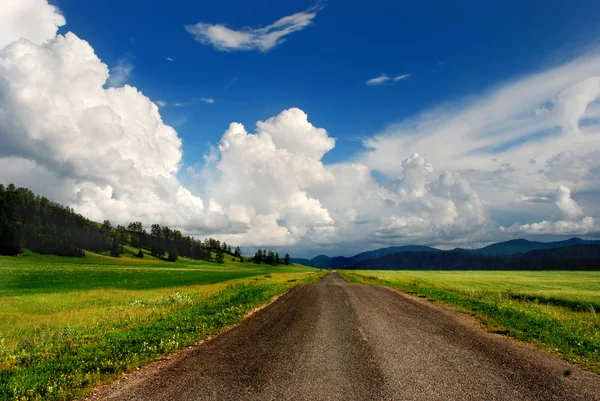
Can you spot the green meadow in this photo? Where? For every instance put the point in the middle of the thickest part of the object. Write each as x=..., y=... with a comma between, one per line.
x=68, y=325
x=557, y=310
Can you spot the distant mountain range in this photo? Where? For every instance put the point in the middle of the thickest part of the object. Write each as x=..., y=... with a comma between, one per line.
x=573, y=254
x=341, y=262
x=517, y=246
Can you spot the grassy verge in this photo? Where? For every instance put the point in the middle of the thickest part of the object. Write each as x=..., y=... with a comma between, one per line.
x=68, y=325
x=555, y=310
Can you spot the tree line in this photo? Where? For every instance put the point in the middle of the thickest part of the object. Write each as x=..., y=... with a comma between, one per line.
x=32, y=221
x=163, y=241
x=271, y=258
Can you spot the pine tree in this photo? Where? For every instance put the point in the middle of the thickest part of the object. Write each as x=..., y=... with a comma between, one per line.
x=140, y=254
x=115, y=250
x=270, y=258
x=220, y=258
x=277, y=261
x=287, y=260
x=172, y=253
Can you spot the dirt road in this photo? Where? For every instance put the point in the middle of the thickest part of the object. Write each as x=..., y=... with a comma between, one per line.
x=340, y=341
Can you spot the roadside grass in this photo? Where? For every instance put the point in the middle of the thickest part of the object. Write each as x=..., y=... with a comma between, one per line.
x=67, y=326
x=557, y=310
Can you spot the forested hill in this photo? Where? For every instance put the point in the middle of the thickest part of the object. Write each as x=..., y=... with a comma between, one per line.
x=36, y=223
x=27, y=220
x=574, y=257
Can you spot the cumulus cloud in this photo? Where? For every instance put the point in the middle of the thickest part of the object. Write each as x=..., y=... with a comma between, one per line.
x=563, y=201
x=260, y=182
x=34, y=20
x=275, y=182
x=291, y=130
x=104, y=151
x=432, y=204
x=263, y=39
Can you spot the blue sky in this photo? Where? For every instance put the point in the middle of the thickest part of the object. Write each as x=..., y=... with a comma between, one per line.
x=451, y=49
x=320, y=127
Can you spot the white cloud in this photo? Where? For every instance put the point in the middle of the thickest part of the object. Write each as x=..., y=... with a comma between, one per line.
x=120, y=73
x=104, y=151
x=563, y=201
x=263, y=185
x=491, y=126
x=514, y=144
x=527, y=150
x=161, y=103
x=275, y=182
x=567, y=224
x=188, y=102
x=291, y=130
x=381, y=79
x=169, y=59
x=225, y=39
x=35, y=20
x=559, y=227
x=384, y=78
x=401, y=77
x=433, y=205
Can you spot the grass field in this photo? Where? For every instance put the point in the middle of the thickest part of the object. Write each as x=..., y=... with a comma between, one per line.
x=557, y=310
x=70, y=324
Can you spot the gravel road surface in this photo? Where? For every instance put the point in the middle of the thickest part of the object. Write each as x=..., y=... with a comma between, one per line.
x=334, y=340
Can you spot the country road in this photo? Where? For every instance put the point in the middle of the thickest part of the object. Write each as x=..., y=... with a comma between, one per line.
x=334, y=340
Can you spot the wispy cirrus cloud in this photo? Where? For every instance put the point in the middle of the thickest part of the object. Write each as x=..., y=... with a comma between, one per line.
x=161, y=103
x=262, y=39
x=120, y=73
x=208, y=100
x=384, y=78
x=401, y=77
